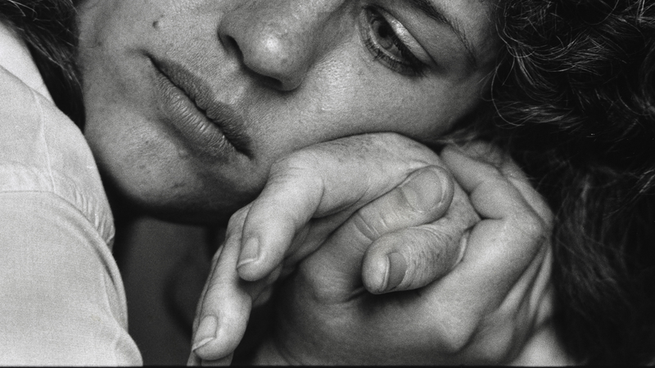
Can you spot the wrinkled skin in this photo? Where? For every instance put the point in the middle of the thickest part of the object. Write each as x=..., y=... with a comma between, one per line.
x=491, y=301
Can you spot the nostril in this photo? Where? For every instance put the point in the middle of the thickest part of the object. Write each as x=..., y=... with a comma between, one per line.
x=231, y=45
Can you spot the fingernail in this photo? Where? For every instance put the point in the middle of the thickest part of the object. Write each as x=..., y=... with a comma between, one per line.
x=395, y=271
x=205, y=333
x=424, y=191
x=249, y=253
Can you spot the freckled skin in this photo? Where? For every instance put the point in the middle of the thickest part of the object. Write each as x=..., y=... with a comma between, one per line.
x=297, y=73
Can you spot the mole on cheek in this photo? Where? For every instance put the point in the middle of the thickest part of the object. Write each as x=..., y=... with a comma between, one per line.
x=155, y=24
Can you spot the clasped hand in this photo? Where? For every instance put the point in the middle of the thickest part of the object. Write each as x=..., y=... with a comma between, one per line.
x=384, y=259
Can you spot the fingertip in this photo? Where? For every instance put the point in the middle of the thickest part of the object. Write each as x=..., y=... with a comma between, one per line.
x=250, y=272
x=383, y=272
x=259, y=269
x=249, y=258
x=396, y=270
x=265, y=242
x=206, y=344
x=374, y=273
x=452, y=153
x=218, y=362
x=258, y=260
x=215, y=348
x=206, y=332
x=428, y=188
x=412, y=258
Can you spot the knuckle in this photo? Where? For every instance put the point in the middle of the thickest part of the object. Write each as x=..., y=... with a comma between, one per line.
x=395, y=143
x=297, y=164
x=435, y=245
x=366, y=226
x=456, y=328
x=449, y=231
x=300, y=170
x=389, y=138
x=430, y=253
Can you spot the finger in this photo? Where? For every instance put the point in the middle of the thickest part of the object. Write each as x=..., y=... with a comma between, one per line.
x=510, y=170
x=195, y=361
x=219, y=362
x=318, y=182
x=417, y=256
x=515, y=175
x=225, y=304
x=222, y=307
x=424, y=197
x=500, y=249
x=502, y=207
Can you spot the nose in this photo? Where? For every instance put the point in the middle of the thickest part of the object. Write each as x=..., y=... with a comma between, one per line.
x=280, y=40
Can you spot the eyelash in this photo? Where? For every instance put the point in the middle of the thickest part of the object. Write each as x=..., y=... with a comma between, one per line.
x=408, y=64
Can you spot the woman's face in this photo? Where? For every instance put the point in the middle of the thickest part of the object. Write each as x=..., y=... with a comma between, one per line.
x=189, y=102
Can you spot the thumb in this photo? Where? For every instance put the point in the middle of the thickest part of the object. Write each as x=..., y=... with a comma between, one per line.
x=320, y=181
x=336, y=268
x=414, y=257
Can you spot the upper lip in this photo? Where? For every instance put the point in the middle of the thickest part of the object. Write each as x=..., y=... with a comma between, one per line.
x=200, y=93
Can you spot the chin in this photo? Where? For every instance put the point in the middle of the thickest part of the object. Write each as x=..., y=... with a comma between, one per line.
x=198, y=205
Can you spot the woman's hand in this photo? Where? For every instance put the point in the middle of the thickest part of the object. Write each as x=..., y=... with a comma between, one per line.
x=493, y=307
x=312, y=193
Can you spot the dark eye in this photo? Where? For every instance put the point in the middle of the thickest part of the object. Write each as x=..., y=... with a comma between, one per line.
x=383, y=42
x=385, y=36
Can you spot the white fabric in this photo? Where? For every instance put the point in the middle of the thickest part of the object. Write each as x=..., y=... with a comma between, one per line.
x=62, y=300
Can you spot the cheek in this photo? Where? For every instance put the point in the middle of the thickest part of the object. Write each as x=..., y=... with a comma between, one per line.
x=339, y=114
x=149, y=169
x=129, y=155
x=379, y=107
x=422, y=111
x=354, y=95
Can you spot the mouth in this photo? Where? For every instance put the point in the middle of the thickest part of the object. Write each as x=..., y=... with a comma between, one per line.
x=190, y=107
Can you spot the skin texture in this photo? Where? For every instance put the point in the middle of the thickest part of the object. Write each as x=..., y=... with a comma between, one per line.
x=190, y=103
x=490, y=304
x=287, y=74
x=444, y=322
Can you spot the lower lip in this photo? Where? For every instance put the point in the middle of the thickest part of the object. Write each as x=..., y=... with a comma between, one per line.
x=204, y=137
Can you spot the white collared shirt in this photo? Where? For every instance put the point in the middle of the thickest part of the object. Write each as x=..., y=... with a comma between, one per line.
x=62, y=300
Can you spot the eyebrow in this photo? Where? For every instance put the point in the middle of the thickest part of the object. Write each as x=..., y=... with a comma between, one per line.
x=427, y=7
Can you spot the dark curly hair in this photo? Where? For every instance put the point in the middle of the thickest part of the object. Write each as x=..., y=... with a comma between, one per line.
x=575, y=102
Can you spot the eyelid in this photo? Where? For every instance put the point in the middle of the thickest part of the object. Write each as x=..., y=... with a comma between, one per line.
x=406, y=37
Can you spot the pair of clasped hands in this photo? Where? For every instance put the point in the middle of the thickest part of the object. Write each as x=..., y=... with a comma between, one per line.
x=378, y=251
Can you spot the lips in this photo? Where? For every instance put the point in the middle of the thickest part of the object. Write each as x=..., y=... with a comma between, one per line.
x=213, y=128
